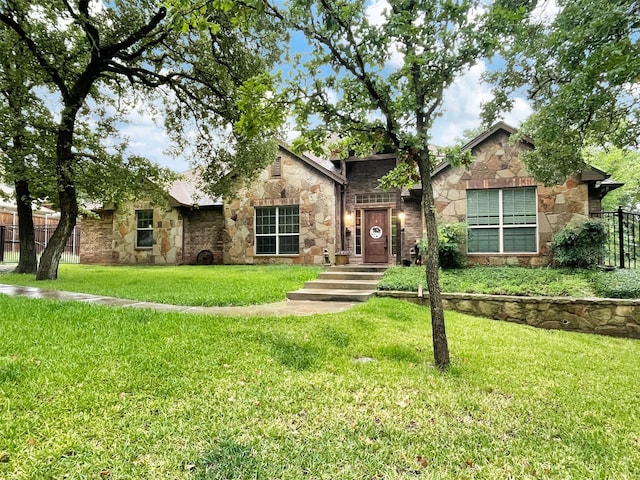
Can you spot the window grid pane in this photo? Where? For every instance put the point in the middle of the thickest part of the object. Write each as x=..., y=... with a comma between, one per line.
x=394, y=232
x=483, y=207
x=519, y=206
x=265, y=220
x=288, y=221
x=266, y=245
x=484, y=240
x=358, y=232
x=277, y=230
x=289, y=245
x=519, y=239
x=144, y=218
x=376, y=197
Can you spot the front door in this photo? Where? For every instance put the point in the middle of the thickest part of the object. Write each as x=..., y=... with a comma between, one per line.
x=376, y=234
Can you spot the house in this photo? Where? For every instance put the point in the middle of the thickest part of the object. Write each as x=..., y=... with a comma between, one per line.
x=510, y=217
x=304, y=210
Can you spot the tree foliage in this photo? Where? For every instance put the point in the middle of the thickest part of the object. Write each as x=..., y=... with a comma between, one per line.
x=379, y=80
x=623, y=166
x=92, y=62
x=579, y=69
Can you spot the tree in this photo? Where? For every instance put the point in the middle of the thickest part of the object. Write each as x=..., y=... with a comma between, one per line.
x=25, y=141
x=623, y=166
x=381, y=82
x=93, y=59
x=579, y=69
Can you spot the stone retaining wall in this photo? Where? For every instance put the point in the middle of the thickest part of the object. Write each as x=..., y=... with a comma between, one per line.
x=605, y=316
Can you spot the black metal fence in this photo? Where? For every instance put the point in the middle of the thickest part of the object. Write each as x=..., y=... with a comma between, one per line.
x=10, y=243
x=623, y=244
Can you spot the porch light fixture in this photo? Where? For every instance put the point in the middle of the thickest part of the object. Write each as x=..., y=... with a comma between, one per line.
x=401, y=217
x=348, y=219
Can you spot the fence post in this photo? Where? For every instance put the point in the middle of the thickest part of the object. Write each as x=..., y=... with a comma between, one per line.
x=2, y=233
x=621, y=235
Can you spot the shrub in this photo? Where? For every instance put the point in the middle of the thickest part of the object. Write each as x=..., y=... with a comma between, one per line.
x=579, y=245
x=451, y=238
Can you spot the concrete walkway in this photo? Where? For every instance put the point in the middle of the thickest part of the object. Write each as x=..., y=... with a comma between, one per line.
x=279, y=309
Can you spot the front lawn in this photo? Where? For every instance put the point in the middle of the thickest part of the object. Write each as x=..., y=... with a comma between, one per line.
x=183, y=285
x=113, y=393
x=520, y=281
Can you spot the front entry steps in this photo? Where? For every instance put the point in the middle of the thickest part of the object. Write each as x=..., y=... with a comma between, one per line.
x=344, y=283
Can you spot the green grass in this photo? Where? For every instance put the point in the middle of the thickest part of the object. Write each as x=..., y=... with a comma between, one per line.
x=183, y=285
x=520, y=281
x=97, y=392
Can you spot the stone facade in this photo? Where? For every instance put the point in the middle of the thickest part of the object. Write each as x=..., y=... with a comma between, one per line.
x=298, y=184
x=605, y=316
x=496, y=164
x=112, y=237
x=331, y=199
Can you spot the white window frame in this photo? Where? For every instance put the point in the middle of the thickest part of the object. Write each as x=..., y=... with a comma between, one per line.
x=277, y=233
x=143, y=229
x=502, y=227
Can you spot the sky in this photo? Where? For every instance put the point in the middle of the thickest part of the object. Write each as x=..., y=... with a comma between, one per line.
x=461, y=107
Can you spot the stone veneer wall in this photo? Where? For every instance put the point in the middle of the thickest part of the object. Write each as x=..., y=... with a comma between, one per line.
x=605, y=316
x=203, y=230
x=557, y=205
x=299, y=184
x=117, y=232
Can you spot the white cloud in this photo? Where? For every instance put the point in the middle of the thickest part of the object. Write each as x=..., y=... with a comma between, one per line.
x=376, y=12
x=545, y=12
x=461, y=107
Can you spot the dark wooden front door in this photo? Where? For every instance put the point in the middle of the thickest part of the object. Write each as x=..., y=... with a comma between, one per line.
x=376, y=234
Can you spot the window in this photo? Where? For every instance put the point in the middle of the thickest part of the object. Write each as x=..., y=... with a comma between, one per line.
x=277, y=230
x=502, y=220
x=144, y=228
x=376, y=197
x=358, y=232
x=394, y=232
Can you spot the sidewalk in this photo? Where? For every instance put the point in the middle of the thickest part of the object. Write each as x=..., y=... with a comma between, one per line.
x=287, y=307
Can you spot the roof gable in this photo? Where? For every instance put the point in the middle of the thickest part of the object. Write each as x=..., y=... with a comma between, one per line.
x=325, y=167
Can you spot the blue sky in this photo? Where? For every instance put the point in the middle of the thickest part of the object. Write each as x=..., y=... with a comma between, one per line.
x=461, y=107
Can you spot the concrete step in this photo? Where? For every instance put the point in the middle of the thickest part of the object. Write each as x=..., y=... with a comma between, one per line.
x=342, y=284
x=349, y=275
x=324, y=295
x=358, y=268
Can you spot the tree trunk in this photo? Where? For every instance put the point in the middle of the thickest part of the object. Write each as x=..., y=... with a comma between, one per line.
x=439, y=334
x=68, y=200
x=50, y=259
x=27, y=262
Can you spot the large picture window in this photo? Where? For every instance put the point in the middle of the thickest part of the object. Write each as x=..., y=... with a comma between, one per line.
x=144, y=228
x=502, y=220
x=277, y=230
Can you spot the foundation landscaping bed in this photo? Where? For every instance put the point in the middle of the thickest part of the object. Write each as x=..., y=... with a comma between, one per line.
x=520, y=281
